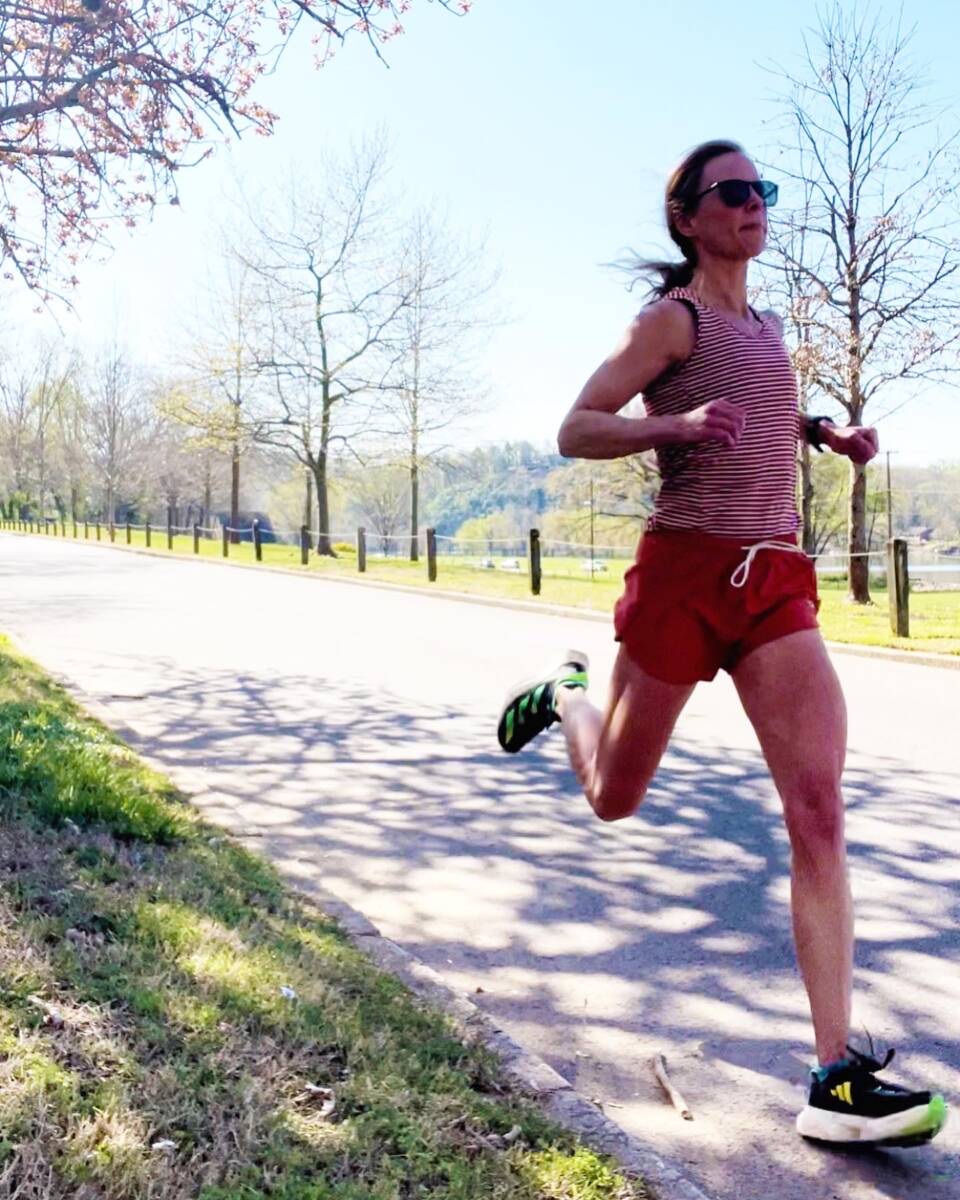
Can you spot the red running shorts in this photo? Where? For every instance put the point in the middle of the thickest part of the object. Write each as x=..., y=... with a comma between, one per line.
x=681, y=619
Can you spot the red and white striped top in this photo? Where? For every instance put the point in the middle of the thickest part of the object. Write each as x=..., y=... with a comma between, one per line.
x=749, y=490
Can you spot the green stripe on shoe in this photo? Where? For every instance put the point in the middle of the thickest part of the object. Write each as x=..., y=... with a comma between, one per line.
x=933, y=1117
x=577, y=679
x=509, y=734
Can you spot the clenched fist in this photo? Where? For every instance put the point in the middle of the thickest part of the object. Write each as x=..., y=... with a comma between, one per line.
x=717, y=421
x=859, y=443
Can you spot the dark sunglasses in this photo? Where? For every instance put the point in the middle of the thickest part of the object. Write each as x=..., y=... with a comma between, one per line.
x=736, y=192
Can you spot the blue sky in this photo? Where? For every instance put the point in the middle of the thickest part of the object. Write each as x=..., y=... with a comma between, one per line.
x=550, y=126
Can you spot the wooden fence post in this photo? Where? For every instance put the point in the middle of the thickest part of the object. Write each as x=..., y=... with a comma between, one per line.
x=146, y=530
x=86, y=529
x=304, y=546
x=196, y=538
x=128, y=533
x=226, y=542
x=169, y=532
x=113, y=532
x=98, y=531
x=535, y=572
x=898, y=586
x=63, y=526
x=75, y=530
x=432, y=555
x=257, y=543
x=361, y=549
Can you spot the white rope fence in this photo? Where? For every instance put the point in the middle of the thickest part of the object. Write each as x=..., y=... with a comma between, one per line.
x=534, y=557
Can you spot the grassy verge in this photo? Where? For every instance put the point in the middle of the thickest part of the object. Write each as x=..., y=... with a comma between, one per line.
x=934, y=616
x=174, y=1025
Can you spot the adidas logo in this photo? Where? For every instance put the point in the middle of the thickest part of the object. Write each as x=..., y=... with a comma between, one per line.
x=843, y=1092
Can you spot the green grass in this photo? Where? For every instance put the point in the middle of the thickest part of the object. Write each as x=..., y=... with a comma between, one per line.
x=934, y=616
x=142, y=961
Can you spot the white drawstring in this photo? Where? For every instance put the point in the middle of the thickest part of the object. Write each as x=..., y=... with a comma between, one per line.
x=739, y=577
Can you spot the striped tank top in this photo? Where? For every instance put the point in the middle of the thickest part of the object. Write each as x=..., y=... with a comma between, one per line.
x=748, y=490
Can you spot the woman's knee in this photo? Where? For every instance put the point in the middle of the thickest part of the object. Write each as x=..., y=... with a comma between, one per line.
x=615, y=802
x=814, y=812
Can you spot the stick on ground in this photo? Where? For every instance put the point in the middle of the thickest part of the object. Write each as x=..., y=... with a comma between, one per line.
x=678, y=1102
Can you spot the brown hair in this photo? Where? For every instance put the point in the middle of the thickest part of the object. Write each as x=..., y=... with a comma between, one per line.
x=682, y=188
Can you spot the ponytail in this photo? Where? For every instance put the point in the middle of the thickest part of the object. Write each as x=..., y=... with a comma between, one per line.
x=680, y=200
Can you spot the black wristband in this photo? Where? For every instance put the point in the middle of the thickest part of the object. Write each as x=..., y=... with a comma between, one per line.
x=813, y=431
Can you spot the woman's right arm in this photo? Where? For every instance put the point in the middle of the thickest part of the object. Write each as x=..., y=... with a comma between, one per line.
x=660, y=337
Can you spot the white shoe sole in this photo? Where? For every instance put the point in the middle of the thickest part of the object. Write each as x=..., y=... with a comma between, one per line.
x=911, y=1127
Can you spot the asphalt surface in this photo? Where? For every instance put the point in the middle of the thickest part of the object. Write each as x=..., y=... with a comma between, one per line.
x=349, y=732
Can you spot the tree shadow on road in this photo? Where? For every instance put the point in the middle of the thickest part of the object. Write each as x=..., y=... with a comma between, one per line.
x=598, y=945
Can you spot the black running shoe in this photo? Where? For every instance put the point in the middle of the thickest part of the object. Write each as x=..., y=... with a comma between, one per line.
x=529, y=707
x=849, y=1104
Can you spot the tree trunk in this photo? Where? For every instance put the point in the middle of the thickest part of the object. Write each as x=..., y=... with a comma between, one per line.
x=235, y=475
x=74, y=501
x=320, y=477
x=235, y=492
x=308, y=507
x=809, y=536
x=323, y=506
x=859, y=567
x=207, y=495
x=414, y=510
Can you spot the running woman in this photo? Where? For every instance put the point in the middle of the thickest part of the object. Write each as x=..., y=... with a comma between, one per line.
x=720, y=582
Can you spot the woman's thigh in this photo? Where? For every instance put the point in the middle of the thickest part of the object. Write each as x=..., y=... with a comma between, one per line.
x=793, y=698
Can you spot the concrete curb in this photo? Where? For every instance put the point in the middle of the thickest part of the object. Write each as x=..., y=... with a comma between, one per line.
x=917, y=657
x=555, y=1096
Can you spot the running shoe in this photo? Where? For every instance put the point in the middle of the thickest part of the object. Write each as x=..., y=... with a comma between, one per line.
x=848, y=1103
x=529, y=707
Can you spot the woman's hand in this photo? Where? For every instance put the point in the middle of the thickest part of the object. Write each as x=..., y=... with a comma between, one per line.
x=859, y=443
x=717, y=421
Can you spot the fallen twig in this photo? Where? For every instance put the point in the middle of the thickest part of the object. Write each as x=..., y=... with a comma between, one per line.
x=678, y=1102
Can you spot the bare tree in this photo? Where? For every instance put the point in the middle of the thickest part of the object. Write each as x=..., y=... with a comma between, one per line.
x=332, y=298
x=31, y=390
x=436, y=344
x=876, y=245
x=55, y=375
x=118, y=427
x=71, y=430
x=790, y=289
x=222, y=364
x=15, y=426
x=377, y=495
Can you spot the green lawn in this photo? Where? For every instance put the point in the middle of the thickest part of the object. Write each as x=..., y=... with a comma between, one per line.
x=174, y=1025
x=934, y=616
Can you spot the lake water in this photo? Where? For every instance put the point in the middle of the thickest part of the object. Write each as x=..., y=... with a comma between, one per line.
x=939, y=573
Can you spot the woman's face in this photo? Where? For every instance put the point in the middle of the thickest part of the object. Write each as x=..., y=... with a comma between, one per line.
x=733, y=233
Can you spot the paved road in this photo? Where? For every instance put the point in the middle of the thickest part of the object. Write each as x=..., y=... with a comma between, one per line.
x=352, y=729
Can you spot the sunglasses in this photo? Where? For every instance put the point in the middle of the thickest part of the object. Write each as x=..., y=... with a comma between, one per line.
x=736, y=192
